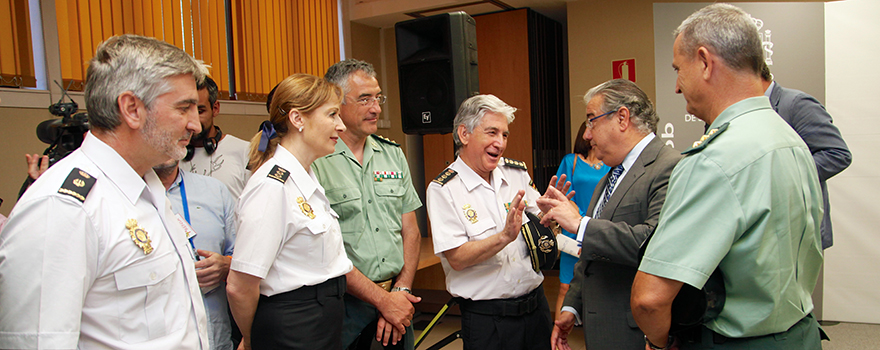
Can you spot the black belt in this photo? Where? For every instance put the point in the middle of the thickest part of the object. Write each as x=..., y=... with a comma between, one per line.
x=332, y=287
x=504, y=307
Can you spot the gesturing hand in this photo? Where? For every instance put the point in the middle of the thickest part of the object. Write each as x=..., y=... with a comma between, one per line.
x=514, y=217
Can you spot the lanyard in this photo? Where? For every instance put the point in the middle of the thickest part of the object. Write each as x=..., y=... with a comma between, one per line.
x=186, y=214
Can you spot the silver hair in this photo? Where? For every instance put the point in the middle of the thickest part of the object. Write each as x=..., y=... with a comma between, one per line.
x=624, y=93
x=472, y=110
x=133, y=63
x=725, y=30
x=340, y=72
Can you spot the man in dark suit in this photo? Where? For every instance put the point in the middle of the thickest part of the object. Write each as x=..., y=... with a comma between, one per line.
x=814, y=125
x=624, y=210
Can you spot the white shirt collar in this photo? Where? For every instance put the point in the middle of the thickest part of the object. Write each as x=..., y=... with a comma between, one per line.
x=471, y=179
x=636, y=151
x=769, y=88
x=306, y=182
x=115, y=167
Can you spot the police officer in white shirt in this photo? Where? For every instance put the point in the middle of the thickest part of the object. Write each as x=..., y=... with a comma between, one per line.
x=92, y=256
x=287, y=277
x=476, y=209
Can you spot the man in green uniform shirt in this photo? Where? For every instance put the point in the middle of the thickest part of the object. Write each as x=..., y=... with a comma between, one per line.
x=368, y=183
x=745, y=200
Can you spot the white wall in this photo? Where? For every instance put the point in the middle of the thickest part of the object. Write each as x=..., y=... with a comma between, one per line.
x=852, y=265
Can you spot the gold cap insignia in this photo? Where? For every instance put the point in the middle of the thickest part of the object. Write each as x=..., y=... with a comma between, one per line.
x=470, y=213
x=545, y=244
x=140, y=236
x=305, y=207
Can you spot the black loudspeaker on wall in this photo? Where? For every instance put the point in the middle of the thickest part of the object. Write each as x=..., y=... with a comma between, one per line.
x=437, y=70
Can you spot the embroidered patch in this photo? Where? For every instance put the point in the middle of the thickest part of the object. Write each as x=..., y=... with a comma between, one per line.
x=77, y=185
x=445, y=176
x=516, y=164
x=279, y=173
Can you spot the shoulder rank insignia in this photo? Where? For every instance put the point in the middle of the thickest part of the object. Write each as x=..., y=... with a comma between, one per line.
x=516, y=164
x=139, y=236
x=705, y=139
x=445, y=176
x=279, y=173
x=78, y=184
x=386, y=140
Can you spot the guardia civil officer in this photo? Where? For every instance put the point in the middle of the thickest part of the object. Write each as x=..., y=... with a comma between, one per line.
x=286, y=280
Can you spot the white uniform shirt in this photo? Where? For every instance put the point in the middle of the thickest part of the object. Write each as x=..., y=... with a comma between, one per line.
x=509, y=273
x=227, y=164
x=287, y=233
x=71, y=276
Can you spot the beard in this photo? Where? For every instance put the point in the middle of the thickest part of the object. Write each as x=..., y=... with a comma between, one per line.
x=163, y=141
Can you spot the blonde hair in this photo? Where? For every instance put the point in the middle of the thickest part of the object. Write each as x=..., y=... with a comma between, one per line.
x=302, y=92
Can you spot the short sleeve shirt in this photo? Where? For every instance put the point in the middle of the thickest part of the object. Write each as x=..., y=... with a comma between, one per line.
x=287, y=233
x=371, y=199
x=73, y=276
x=745, y=199
x=467, y=208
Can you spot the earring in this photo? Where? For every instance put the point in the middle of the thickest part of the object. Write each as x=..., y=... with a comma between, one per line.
x=300, y=129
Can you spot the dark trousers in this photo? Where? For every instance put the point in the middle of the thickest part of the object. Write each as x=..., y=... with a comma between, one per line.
x=803, y=335
x=510, y=324
x=306, y=318
x=365, y=340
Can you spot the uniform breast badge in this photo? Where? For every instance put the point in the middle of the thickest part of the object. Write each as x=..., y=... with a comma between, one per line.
x=378, y=175
x=305, y=207
x=470, y=213
x=139, y=236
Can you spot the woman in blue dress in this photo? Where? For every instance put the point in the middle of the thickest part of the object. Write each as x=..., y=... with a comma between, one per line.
x=584, y=171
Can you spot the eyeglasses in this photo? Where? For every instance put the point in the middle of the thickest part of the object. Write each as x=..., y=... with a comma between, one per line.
x=366, y=101
x=590, y=120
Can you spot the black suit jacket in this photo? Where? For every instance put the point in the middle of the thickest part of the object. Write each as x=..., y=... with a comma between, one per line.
x=603, y=276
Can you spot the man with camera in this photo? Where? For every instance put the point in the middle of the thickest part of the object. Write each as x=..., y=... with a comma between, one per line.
x=92, y=255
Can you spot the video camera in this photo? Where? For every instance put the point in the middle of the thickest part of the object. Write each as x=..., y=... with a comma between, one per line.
x=66, y=134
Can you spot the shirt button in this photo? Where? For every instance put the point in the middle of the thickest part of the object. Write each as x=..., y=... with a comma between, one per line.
x=370, y=201
x=152, y=276
x=377, y=229
x=383, y=259
x=344, y=196
x=392, y=191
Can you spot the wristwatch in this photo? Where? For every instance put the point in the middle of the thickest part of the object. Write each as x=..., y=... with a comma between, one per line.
x=651, y=346
x=401, y=289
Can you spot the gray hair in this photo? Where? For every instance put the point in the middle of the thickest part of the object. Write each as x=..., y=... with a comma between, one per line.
x=340, y=72
x=133, y=63
x=624, y=93
x=728, y=32
x=472, y=110
x=213, y=90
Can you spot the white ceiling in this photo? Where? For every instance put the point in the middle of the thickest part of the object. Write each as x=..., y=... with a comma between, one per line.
x=385, y=13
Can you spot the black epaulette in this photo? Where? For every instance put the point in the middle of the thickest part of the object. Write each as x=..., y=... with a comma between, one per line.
x=705, y=139
x=445, y=176
x=516, y=164
x=279, y=173
x=78, y=184
x=386, y=140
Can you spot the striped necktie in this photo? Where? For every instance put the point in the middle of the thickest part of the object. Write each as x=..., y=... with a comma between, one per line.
x=612, y=181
